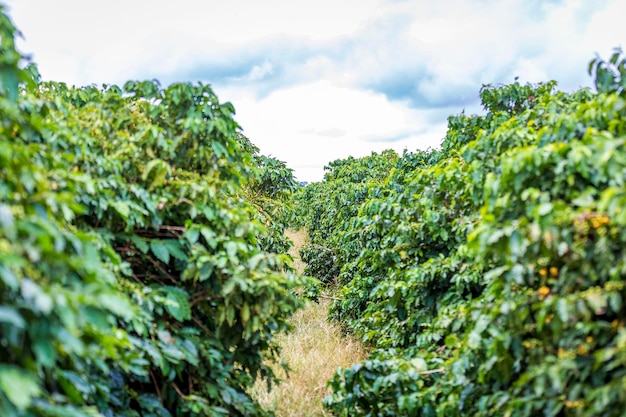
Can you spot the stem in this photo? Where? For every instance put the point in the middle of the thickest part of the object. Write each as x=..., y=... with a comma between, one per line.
x=201, y=296
x=182, y=229
x=167, y=275
x=329, y=297
x=156, y=386
x=433, y=371
x=178, y=390
x=202, y=326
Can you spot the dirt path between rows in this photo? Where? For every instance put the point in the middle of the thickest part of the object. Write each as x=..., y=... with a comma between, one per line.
x=313, y=350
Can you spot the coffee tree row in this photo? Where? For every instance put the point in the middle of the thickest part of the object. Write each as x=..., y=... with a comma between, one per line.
x=141, y=271
x=325, y=208
x=489, y=276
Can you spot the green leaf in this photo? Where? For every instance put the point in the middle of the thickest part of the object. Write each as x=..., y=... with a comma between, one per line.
x=209, y=236
x=46, y=352
x=452, y=341
x=615, y=301
x=191, y=352
x=229, y=286
x=192, y=234
x=6, y=216
x=474, y=340
x=11, y=316
x=74, y=386
x=172, y=352
x=544, y=209
x=219, y=149
x=419, y=364
x=117, y=303
x=177, y=303
x=140, y=243
x=33, y=292
x=9, y=81
x=245, y=313
x=159, y=170
x=160, y=250
x=149, y=402
x=19, y=386
x=122, y=208
x=597, y=302
x=50, y=410
x=175, y=249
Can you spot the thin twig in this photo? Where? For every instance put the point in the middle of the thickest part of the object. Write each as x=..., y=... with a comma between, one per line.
x=155, y=263
x=433, y=371
x=201, y=296
x=174, y=228
x=202, y=326
x=156, y=386
x=178, y=390
x=154, y=234
x=184, y=200
x=136, y=278
x=329, y=297
x=320, y=388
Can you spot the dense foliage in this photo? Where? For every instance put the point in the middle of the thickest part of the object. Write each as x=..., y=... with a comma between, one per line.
x=270, y=191
x=140, y=269
x=325, y=209
x=489, y=276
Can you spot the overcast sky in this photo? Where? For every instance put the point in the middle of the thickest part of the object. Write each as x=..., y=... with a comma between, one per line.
x=314, y=81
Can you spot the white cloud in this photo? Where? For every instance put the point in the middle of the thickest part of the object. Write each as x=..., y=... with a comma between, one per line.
x=258, y=72
x=107, y=38
x=313, y=124
x=606, y=30
x=318, y=80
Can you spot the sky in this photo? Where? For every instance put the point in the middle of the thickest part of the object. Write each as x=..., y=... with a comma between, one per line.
x=318, y=80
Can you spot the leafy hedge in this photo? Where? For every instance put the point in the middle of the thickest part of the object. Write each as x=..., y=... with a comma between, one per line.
x=489, y=275
x=325, y=209
x=139, y=275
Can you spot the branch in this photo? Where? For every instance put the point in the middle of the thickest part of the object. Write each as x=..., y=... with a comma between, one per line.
x=184, y=200
x=433, y=371
x=178, y=390
x=156, y=386
x=201, y=296
x=329, y=297
x=200, y=325
x=155, y=263
x=152, y=234
x=174, y=228
x=136, y=278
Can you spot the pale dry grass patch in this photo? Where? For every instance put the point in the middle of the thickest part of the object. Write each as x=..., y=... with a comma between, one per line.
x=299, y=238
x=313, y=350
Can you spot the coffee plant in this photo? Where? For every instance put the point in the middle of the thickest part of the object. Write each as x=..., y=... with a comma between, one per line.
x=141, y=270
x=325, y=209
x=269, y=191
x=490, y=275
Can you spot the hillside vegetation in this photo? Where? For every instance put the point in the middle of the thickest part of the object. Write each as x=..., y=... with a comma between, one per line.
x=489, y=275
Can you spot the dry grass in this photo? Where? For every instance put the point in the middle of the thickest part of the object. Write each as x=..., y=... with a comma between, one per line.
x=299, y=238
x=313, y=350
